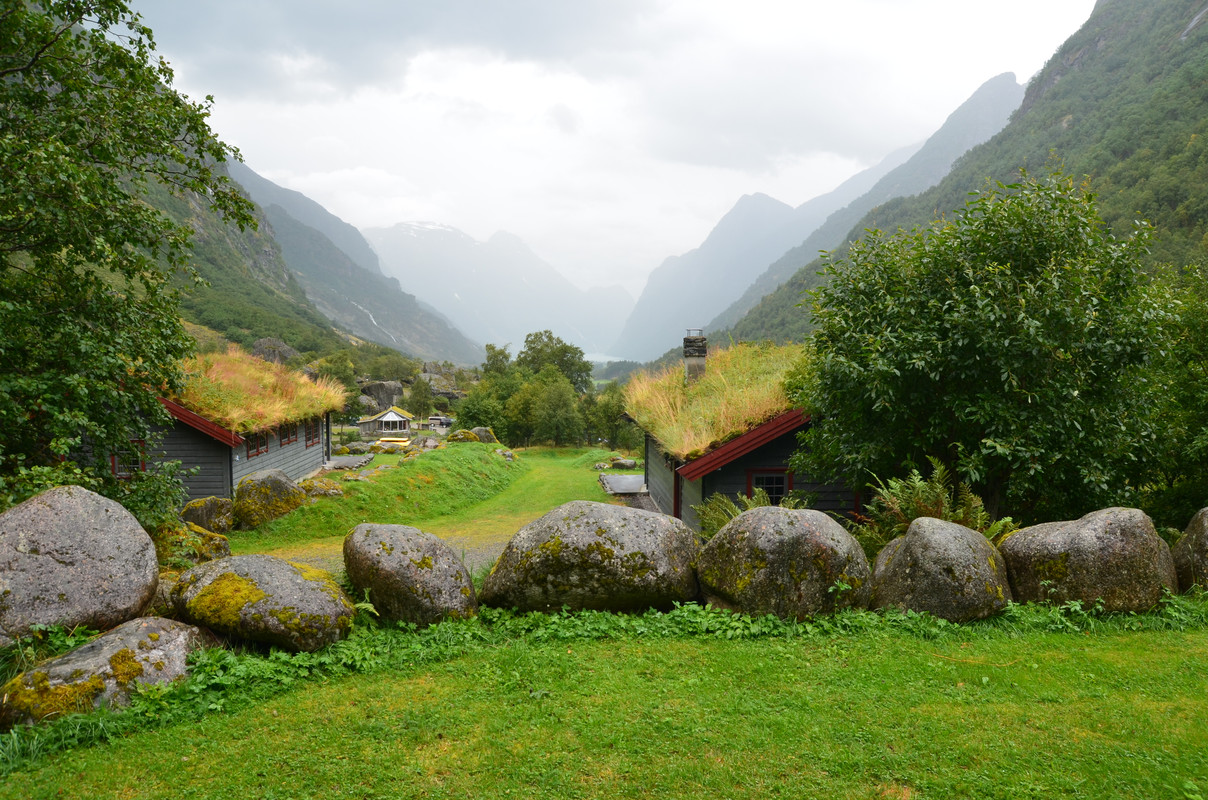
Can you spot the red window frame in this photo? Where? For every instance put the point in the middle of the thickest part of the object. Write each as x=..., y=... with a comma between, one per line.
x=287, y=433
x=770, y=471
x=314, y=431
x=257, y=443
x=117, y=460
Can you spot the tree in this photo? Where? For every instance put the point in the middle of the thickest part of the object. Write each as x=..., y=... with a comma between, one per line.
x=1005, y=344
x=542, y=349
x=419, y=400
x=89, y=331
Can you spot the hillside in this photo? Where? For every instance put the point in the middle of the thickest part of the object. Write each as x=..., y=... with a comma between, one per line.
x=977, y=119
x=1123, y=101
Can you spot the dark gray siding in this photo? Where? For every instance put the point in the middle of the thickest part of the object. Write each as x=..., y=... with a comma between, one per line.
x=691, y=494
x=194, y=449
x=660, y=480
x=295, y=459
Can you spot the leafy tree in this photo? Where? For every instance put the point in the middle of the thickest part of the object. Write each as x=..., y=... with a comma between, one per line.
x=609, y=421
x=542, y=349
x=480, y=408
x=419, y=399
x=1004, y=344
x=89, y=328
x=557, y=415
x=498, y=361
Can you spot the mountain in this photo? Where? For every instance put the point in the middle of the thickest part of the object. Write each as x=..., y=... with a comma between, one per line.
x=497, y=291
x=1123, y=101
x=977, y=119
x=359, y=300
x=347, y=238
x=687, y=290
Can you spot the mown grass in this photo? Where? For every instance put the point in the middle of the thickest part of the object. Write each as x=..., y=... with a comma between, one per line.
x=693, y=703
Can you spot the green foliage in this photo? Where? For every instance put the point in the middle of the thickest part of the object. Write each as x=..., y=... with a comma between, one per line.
x=1005, y=344
x=419, y=399
x=542, y=349
x=899, y=501
x=90, y=334
x=718, y=509
x=42, y=642
x=606, y=418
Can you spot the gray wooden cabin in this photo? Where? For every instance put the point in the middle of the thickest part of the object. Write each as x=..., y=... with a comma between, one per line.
x=756, y=459
x=223, y=457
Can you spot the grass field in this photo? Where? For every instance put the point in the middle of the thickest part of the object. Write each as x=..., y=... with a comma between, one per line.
x=695, y=703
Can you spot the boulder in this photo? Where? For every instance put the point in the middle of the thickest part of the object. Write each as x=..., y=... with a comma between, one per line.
x=384, y=394
x=624, y=463
x=71, y=557
x=1190, y=553
x=425, y=442
x=180, y=542
x=943, y=568
x=321, y=487
x=1113, y=555
x=261, y=598
x=275, y=351
x=485, y=435
x=104, y=671
x=587, y=555
x=506, y=455
x=263, y=496
x=411, y=575
x=462, y=435
x=387, y=447
x=215, y=514
x=788, y=562
x=358, y=448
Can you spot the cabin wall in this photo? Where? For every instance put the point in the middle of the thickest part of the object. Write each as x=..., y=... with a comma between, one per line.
x=660, y=480
x=194, y=449
x=732, y=479
x=295, y=459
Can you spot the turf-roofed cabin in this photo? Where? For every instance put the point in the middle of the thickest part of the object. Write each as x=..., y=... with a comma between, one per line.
x=238, y=415
x=721, y=423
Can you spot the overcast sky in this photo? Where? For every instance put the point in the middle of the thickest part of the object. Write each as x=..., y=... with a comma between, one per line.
x=608, y=134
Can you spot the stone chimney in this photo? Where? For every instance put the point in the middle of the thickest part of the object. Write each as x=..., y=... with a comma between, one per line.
x=695, y=349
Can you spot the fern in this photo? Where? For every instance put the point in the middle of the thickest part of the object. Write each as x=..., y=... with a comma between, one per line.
x=719, y=509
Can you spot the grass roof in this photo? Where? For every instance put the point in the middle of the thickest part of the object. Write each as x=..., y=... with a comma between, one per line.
x=245, y=394
x=743, y=386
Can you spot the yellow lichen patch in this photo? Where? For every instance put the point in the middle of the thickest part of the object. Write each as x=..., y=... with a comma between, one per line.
x=220, y=603
x=423, y=563
x=125, y=666
x=32, y=696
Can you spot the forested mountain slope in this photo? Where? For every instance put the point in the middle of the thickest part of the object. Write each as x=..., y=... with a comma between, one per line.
x=1123, y=101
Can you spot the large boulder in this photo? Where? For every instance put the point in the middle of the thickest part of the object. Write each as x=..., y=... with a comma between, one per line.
x=595, y=556
x=105, y=671
x=70, y=557
x=462, y=435
x=261, y=598
x=265, y=495
x=945, y=569
x=485, y=435
x=215, y=514
x=275, y=351
x=1113, y=555
x=179, y=542
x=411, y=575
x=791, y=563
x=384, y=394
x=1190, y=553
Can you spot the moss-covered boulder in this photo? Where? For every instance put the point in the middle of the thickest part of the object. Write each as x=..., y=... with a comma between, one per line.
x=70, y=557
x=588, y=555
x=462, y=436
x=942, y=568
x=321, y=487
x=791, y=563
x=1113, y=555
x=179, y=544
x=485, y=435
x=1190, y=553
x=215, y=514
x=265, y=495
x=261, y=598
x=105, y=671
x=357, y=449
x=411, y=575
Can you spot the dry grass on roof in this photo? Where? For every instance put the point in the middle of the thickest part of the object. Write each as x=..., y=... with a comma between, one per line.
x=245, y=394
x=743, y=386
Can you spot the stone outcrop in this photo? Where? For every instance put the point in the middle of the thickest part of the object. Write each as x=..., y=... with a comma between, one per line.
x=384, y=394
x=261, y=598
x=275, y=351
x=70, y=557
x=321, y=487
x=1190, y=553
x=1113, y=555
x=485, y=435
x=791, y=563
x=411, y=575
x=265, y=495
x=943, y=568
x=462, y=435
x=105, y=671
x=587, y=555
x=215, y=514
x=188, y=542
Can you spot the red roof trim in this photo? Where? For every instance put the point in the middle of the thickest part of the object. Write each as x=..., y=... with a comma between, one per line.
x=198, y=422
x=751, y=440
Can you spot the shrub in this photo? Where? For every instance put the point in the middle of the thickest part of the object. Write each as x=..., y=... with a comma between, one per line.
x=719, y=509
